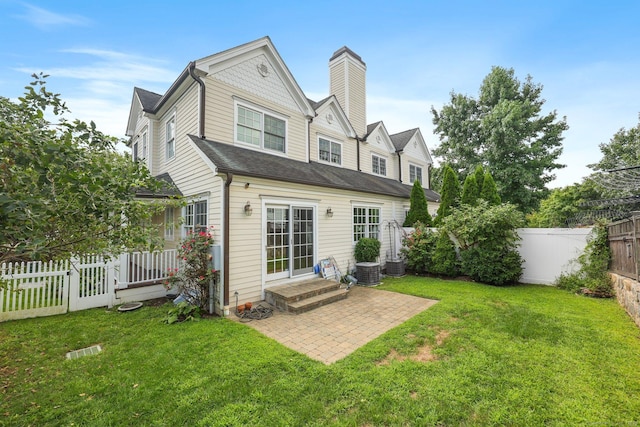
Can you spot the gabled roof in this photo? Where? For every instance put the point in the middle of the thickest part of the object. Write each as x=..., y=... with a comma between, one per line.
x=401, y=139
x=371, y=128
x=228, y=158
x=147, y=98
x=329, y=102
x=213, y=63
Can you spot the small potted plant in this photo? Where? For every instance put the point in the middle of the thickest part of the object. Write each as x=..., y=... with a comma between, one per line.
x=366, y=254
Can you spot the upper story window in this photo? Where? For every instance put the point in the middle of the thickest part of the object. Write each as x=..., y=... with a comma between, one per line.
x=195, y=217
x=378, y=165
x=329, y=151
x=145, y=146
x=134, y=152
x=415, y=174
x=170, y=136
x=261, y=129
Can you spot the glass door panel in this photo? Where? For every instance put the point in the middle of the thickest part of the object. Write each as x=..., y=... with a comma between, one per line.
x=303, y=240
x=278, y=242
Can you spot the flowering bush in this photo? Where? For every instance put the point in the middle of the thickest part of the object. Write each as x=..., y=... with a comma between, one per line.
x=418, y=248
x=195, y=274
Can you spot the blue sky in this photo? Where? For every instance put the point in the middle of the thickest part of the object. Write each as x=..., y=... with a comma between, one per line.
x=586, y=54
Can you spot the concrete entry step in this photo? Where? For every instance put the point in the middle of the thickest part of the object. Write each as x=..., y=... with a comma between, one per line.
x=304, y=296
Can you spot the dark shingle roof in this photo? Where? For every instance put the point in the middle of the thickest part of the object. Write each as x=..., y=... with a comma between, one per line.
x=371, y=127
x=401, y=139
x=344, y=49
x=167, y=190
x=246, y=162
x=147, y=98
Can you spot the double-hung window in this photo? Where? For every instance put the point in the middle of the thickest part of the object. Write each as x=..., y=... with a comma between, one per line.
x=329, y=151
x=144, y=145
x=366, y=222
x=415, y=174
x=170, y=136
x=378, y=165
x=168, y=223
x=135, y=152
x=260, y=129
x=195, y=217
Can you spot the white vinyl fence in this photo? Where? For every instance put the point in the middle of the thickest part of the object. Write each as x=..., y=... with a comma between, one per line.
x=547, y=252
x=33, y=289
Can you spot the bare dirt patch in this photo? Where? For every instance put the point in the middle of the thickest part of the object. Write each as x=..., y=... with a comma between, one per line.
x=424, y=354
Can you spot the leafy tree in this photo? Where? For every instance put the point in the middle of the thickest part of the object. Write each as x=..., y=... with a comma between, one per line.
x=563, y=204
x=489, y=190
x=505, y=130
x=65, y=190
x=623, y=150
x=444, y=259
x=487, y=238
x=470, y=191
x=418, y=209
x=449, y=195
x=479, y=174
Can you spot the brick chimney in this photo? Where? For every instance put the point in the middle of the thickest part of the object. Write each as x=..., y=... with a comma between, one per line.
x=347, y=81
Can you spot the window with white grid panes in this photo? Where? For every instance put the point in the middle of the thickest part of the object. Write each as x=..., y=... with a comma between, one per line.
x=260, y=129
x=195, y=217
x=378, y=165
x=170, y=135
x=415, y=174
x=366, y=222
x=329, y=151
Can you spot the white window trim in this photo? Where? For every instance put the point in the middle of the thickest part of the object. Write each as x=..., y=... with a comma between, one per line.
x=184, y=214
x=250, y=106
x=379, y=157
x=144, y=138
x=421, y=172
x=367, y=206
x=331, y=141
x=169, y=224
x=172, y=116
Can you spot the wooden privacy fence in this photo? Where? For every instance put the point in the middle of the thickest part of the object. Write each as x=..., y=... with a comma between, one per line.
x=623, y=242
x=33, y=289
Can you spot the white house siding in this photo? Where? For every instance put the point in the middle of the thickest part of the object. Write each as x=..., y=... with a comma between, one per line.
x=357, y=98
x=186, y=116
x=220, y=116
x=349, y=150
x=414, y=153
x=334, y=235
x=337, y=84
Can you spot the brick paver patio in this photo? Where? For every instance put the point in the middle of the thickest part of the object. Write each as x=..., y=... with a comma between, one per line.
x=331, y=332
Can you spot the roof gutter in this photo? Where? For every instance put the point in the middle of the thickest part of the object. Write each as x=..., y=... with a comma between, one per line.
x=203, y=92
x=358, y=139
x=226, y=242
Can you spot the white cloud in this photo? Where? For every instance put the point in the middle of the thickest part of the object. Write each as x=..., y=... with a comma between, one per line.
x=112, y=66
x=46, y=20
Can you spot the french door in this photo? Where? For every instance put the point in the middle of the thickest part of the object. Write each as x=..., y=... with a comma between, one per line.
x=290, y=241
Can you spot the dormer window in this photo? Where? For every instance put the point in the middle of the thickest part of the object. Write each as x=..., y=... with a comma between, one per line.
x=260, y=129
x=415, y=174
x=378, y=165
x=329, y=151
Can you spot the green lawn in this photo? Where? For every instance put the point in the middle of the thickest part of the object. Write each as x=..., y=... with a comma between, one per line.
x=524, y=355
